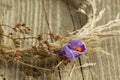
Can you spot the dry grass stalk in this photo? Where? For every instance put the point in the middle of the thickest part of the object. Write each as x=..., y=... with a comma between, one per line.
x=71, y=71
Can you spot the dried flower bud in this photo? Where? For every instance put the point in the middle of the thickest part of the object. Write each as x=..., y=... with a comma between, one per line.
x=23, y=24
x=39, y=37
x=26, y=31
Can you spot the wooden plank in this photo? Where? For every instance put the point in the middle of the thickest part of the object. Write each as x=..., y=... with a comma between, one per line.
x=106, y=66
x=44, y=16
x=74, y=23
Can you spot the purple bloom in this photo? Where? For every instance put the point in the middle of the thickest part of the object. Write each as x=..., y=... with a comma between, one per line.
x=74, y=49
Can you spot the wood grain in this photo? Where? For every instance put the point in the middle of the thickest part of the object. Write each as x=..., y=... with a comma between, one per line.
x=59, y=17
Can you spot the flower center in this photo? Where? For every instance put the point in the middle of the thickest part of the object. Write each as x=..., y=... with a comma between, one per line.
x=79, y=48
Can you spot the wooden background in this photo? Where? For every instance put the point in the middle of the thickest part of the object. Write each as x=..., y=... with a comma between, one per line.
x=59, y=16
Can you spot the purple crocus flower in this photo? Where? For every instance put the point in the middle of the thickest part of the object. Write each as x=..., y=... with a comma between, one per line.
x=74, y=49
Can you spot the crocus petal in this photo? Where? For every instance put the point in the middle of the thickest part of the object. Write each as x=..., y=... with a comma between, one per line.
x=83, y=48
x=77, y=53
x=74, y=43
x=68, y=53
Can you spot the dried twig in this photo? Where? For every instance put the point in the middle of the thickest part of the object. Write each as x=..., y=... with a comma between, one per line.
x=83, y=66
x=71, y=71
x=59, y=64
x=33, y=66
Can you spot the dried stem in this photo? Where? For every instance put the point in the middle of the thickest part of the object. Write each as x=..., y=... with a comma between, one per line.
x=59, y=64
x=34, y=66
x=83, y=66
x=71, y=71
